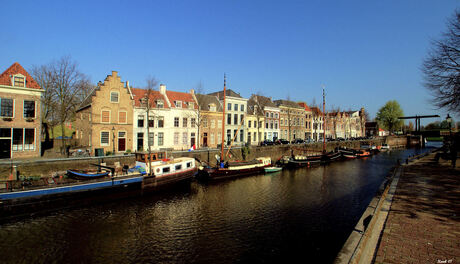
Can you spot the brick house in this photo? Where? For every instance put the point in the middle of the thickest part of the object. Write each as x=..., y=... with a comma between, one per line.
x=20, y=116
x=270, y=116
x=308, y=120
x=105, y=118
x=292, y=120
x=210, y=112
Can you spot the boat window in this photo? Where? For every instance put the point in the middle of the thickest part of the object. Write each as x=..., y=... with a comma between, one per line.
x=178, y=167
x=189, y=164
x=166, y=169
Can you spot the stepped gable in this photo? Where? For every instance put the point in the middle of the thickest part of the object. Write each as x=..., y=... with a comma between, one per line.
x=205, y=100
x=154, y=96
x=5, y=77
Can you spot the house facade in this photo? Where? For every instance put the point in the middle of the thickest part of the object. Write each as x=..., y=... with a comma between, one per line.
x=254, y=124
x=235, y=113
x=292, y=120
x=317, y=124
x=308, y=120
x=104, y=120
x=20, y=116
x=271, y=116
x=210, y=120
x=171, y=122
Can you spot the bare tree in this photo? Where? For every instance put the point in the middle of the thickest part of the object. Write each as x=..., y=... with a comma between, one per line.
x=200, y=117
x=152, y=85
x=442, y=67
x=65, y=87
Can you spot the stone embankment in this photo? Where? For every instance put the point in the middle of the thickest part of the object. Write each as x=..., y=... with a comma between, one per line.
x=50, y=167
x=414, y=219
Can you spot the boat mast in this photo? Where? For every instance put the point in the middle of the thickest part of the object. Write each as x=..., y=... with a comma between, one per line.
x=223, y=123
x=324, y=123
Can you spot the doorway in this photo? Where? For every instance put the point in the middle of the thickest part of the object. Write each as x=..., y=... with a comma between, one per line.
x=5, y=148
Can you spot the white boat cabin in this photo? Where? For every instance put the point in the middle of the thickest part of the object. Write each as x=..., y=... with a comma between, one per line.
x=163, y=166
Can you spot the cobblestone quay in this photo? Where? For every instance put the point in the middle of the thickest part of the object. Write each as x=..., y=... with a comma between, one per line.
x=423, y=225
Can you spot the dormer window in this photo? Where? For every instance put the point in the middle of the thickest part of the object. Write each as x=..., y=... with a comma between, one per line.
x=114, y=97
x=159, y=104
x=212, y=107
x=178, y=104
x=19, y=80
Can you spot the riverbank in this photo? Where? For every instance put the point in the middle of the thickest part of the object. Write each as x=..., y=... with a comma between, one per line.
x=416, y=220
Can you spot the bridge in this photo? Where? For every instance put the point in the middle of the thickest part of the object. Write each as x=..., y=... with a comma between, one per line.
x=417, y=119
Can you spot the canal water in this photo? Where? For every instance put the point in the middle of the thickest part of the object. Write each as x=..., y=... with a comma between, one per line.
x=295, y=216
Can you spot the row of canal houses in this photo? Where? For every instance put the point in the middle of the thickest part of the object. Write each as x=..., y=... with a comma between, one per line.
x=118, y=118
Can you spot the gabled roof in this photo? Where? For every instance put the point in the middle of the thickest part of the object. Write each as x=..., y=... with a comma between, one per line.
x=154, y=96
x=205, y=100
x=228, y=92
x=16, y=68
x=287, y=103
x=180, y=96
x=316, y=110
x=305, y=106
x=263, y=101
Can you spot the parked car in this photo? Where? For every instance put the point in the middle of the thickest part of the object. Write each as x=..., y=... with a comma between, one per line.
x=298, y=141
x=281, y=142
x=267, y=143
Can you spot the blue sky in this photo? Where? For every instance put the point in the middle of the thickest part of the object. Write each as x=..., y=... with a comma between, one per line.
x=364, y=52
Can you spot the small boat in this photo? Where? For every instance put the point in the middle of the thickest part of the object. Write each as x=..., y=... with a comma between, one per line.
x=80, y=174
x=363, y=153
x=272, y=169
x=234, y=169
x=347, y=153
x=384, y=147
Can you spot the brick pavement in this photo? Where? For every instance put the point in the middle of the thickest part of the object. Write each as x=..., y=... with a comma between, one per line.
x=423, y=225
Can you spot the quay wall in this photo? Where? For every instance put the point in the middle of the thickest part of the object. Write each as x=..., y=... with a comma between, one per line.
x=45, y=168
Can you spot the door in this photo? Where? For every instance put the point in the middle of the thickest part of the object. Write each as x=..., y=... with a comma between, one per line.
x=205, y=139
x=5, y=148
x=121, y=144
x=192, y=139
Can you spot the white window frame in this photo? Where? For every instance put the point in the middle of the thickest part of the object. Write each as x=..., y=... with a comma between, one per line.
x=100, y=138
x=35, y=108
x=18, y=75
x=118, y=96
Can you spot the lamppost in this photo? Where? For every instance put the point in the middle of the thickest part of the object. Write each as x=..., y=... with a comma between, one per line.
x=449, y=121
x=113, y=139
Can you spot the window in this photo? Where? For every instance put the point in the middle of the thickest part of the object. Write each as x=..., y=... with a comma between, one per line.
x=235, y=119
x=105, y=116
x=122, y=117
x=229, y=106
x=19, y=81
x=255, y=124
x=159, y=103
x=178, y=167
x=184, y=138
x=229, y=119
x=260, y=123
x=241, y=118
x=176, y=138
x=212, y=139
x=151, y=121
x=29, y=109
x=271, y=124
x=266, y=124
x=267, y=114
x=229, y=135
x=166, y=169
x=271, y=115
x=6, y=109
x=193, y=122
x=178, y=104
x=105, y=135
x=18, y=139
x=212, y=107
x=121, y=134
x=235, y=108
x=160, y=121
x=234, y=134
x=184, y=122
x=189, y=164
x=140, y=121
x=114, y=97
x=276, y=115
x=276, y=124
x=160, y=138
x=241, y=136
x=205, y=122
x=176, y=121
x=140, y=141
x=249, y=123
x=151, y=136
x=219, y=123
x=242, y=108
x=219, y=137
x=255, y=137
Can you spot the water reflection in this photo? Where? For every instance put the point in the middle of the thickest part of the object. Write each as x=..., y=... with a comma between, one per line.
x=303, y=214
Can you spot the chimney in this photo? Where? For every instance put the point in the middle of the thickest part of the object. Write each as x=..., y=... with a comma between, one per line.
x=162, y=89
x=192, y=91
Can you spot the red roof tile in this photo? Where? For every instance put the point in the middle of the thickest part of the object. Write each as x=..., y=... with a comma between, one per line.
x=154, y=95
x=180, y=96
x=5, y=77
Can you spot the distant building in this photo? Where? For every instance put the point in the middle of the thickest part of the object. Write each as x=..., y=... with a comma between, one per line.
x=308, y=120
x=292, y=120
x=20, y=116
x=268, y=117
x=317, y=124
x=372, y=129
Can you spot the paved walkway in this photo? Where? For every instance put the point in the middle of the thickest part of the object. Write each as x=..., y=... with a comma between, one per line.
x=423, y=225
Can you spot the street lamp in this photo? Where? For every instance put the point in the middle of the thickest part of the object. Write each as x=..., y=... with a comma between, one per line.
x=113, y=139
